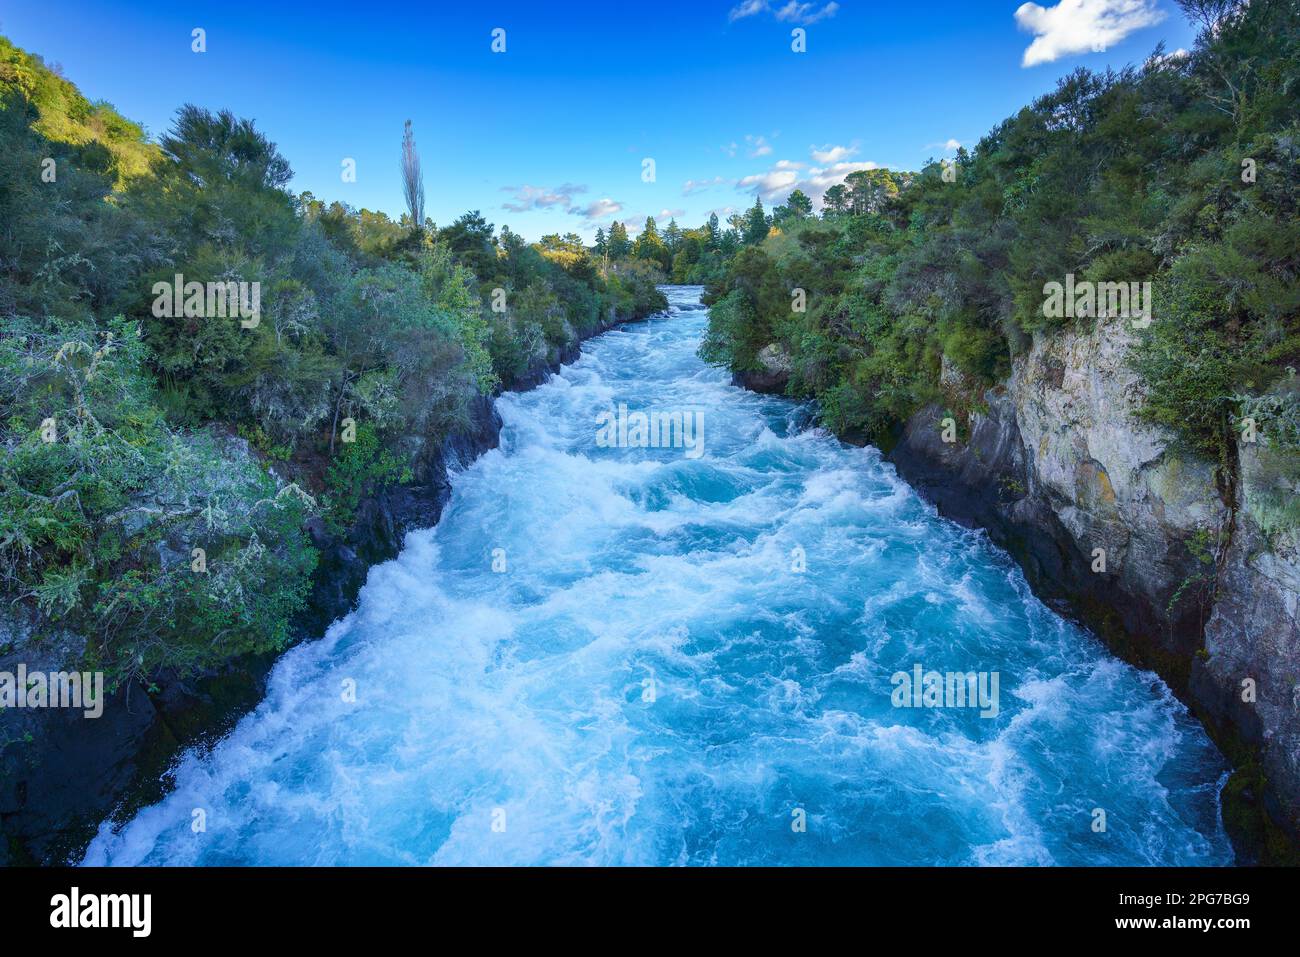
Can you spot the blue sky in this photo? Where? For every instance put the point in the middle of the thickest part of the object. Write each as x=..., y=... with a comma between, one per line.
x=558, y=125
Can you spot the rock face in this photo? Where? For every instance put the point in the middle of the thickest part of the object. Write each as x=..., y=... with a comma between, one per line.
x=1248, y=679
x=61, y=773
x=773, y=375
x=383, y=519
x=1116, y=527
x=36, y=787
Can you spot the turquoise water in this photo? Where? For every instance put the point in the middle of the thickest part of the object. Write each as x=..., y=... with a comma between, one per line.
x=651, y=681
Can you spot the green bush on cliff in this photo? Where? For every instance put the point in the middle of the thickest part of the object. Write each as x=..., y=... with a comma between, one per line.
x=360, y=468
x=102, y=507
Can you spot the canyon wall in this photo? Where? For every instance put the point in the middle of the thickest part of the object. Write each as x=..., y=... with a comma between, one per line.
x=1152, y=548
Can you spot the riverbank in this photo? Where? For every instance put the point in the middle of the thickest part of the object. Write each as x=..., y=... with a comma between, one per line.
x=68, y=774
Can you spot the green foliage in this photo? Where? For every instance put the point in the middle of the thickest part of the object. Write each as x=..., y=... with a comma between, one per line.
x=99, y=137
x=102, y=505
x=361, y=468
x=1133, y=176
x=360, y=317
x=1271, y=462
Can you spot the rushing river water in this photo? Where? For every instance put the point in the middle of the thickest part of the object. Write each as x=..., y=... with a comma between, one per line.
x=609, y=655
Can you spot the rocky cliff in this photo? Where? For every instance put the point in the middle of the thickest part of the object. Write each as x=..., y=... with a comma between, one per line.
x=1155, y=550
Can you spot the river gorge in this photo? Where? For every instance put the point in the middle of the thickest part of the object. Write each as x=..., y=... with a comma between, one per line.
x=615, y=652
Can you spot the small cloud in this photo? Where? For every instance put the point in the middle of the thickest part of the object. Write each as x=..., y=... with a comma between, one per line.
x=598, y=210
x=769, y=185
x=792, y=12
x=949, y=145
x=670, y=213
x=747, y=9
x=696, y=185
x=805, y=13
x=832, y=154
x=539, y=197
x=1178, y=56
x=634, y=224
x=785, y=177
x=759, y=146
x=1081, y=26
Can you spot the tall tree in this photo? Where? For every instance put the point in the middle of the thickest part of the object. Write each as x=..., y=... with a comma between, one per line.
x=619, y=245
x=836, y=200
x=412, y=178
x=799, y=205
x=649, y=245
x=673, y=236
x=756, y=224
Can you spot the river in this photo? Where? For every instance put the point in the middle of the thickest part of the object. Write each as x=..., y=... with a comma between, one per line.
x=690, y=655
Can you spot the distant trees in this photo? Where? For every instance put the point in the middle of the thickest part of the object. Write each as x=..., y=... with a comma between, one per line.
x=872, y=190
x=673, y=237
x=797, y=206
x=712, y=231
x=650, y=246
x=471, y=241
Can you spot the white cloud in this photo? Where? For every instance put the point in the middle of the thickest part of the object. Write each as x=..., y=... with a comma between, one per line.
x=805, y=13
x=747, y=9
x=785, y=177
x=759, y=146
x=696, y=185
x=769, y=185
x=792, y=12
x=832, y=154
x=820, y=179
x=539, y=197
x=598, y=210
x=1178, y=56
x=1079, y=26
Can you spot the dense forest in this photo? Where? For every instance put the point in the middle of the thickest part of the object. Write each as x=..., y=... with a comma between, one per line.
x=1182, y=173
x=158, y=471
